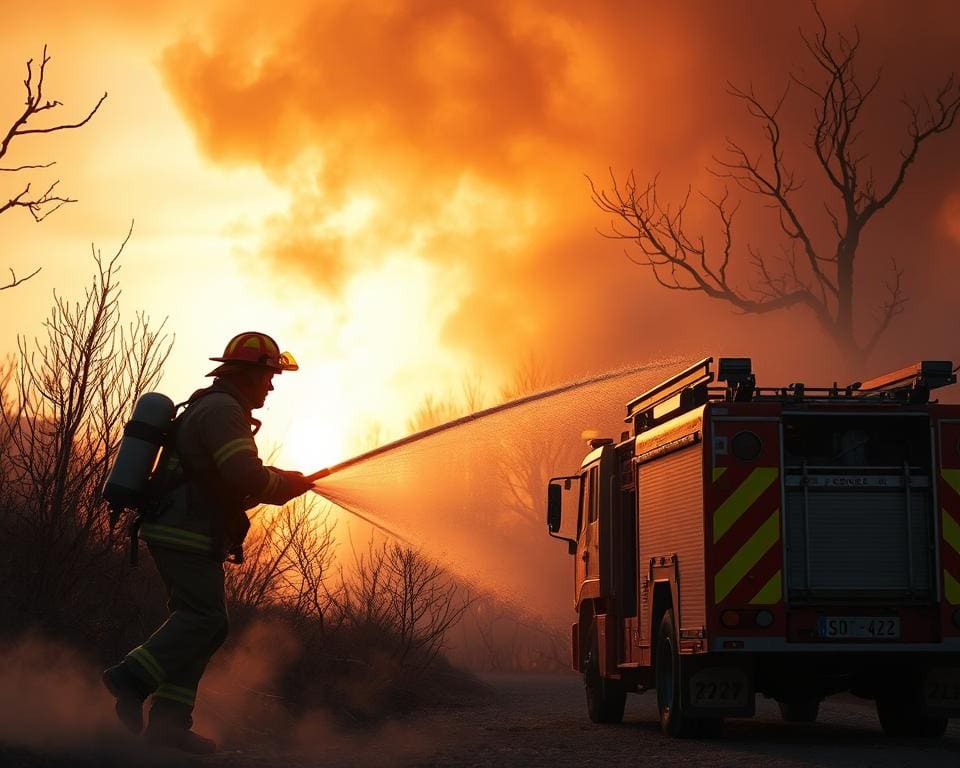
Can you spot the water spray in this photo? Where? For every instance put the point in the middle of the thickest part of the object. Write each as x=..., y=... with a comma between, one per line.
x=417, y=437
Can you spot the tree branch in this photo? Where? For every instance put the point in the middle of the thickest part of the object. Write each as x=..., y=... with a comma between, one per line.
x=15, y=281
x=35, y=104
x=42, y=205
x=892, y=307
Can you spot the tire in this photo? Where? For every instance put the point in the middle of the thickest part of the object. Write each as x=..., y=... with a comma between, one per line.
x=673, y=721
x=899, y=719
x=800, y=710
x=606, y=698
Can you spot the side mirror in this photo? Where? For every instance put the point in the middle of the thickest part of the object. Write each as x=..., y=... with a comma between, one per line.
x=554, y=492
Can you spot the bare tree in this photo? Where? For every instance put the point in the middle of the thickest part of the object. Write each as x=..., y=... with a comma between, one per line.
x=39, y=204
x=817, y=276
x=61, y=425
x=499, y=636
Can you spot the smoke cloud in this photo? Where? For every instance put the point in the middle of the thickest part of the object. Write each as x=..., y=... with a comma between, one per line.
x=458, y=134
x=52, y=702
x=240, y=705
x=238, y=700
x=51, y=699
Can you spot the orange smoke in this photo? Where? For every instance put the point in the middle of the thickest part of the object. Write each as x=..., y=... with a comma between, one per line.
x=52, y=699
x=456, y=135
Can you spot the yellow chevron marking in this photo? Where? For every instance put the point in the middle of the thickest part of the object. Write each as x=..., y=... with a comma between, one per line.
x=718, y=473
x=740, y=500
x=951, y=531
x=951, y=588
x=749, y=555
x=952, y=476
x=771, y=593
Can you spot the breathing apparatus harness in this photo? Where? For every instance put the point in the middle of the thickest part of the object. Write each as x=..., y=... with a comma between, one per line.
x=154, y=498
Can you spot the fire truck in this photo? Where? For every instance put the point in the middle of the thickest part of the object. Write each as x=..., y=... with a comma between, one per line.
x=794, y=542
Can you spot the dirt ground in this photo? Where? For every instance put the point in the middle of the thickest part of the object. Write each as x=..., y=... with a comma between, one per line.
x=536, y=721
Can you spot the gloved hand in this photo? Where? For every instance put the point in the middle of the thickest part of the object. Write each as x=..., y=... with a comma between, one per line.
x=294, y=484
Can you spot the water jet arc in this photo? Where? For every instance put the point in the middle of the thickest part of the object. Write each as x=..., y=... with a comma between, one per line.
x=327, y=471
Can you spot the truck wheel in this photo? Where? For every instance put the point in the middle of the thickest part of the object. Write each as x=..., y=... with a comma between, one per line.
x=900, y=719
x=669, y=682
x=606, y=698
x=803, y=710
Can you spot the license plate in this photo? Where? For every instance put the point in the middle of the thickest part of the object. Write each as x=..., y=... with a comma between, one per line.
x=869, y=627
x=941, y=688
x=719, y=687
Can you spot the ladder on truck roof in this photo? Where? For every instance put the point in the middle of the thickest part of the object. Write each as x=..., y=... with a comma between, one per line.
x=691, y=388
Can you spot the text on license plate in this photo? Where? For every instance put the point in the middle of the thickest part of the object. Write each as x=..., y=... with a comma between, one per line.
x=719, y=687
x=879, y=627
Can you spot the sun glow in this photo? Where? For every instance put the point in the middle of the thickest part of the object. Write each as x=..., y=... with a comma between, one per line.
x=373, y=339
x=353, y=215
x=360, y=379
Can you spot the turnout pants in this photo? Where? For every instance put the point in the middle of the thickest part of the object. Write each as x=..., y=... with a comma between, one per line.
x=171, y=662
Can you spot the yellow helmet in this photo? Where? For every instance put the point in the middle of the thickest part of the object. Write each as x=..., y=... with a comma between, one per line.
x=253, y=348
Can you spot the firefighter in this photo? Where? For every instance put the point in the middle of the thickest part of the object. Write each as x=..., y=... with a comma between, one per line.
x=208, y=476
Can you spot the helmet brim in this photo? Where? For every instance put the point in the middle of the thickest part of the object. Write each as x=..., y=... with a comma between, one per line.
x=284, y=362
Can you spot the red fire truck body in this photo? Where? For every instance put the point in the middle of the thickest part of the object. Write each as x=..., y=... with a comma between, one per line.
x=792, y=542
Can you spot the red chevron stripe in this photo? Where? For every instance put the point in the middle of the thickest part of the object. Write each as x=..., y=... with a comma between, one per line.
x=738, y=534
x=757, y=578
x=729, y=481
x=951, y=510
x=950, y=560
x=949, y=498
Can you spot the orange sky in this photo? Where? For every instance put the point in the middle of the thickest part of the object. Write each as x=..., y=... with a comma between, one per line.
x=396, y=190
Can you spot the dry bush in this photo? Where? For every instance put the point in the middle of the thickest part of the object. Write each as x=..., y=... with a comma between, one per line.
x=395, y=597
x=370, y=631
x=497, y=636
x=65, y=403
x=288, y=556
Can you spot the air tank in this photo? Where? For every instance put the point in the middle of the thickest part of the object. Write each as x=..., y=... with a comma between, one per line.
x=143, y=437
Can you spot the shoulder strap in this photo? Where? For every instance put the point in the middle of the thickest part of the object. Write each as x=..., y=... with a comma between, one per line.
x=160, y=484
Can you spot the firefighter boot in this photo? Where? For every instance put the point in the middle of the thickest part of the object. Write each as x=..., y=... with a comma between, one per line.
x=170, y=726
x=125, y=688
